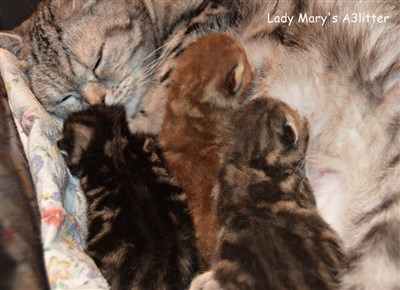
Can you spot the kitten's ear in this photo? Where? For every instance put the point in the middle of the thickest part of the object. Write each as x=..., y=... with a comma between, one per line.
x=234, y=80
x=150, y=144
x=12, y=42
x=75, y=142
x=286, y=130
x=290, y=135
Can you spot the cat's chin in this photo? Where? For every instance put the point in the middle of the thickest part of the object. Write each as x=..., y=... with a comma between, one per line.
x=132, y=104
x=132, y=108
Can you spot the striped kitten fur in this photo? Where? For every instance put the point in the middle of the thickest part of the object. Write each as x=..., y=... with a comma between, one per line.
x=140, y=233
x=210, y=82
x=271, y=235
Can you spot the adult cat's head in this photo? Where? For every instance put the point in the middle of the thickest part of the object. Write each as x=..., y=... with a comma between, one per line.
x=81, y=52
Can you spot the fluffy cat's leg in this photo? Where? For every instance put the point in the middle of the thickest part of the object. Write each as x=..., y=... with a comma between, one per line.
x=373, y=260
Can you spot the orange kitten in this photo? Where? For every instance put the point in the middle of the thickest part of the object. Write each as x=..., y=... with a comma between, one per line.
x=210, y=81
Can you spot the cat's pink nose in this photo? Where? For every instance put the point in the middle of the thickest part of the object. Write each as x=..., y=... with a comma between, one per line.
x=94, y=93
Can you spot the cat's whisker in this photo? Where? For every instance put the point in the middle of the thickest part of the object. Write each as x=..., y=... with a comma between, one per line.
x=161, y=47
x=153, y=64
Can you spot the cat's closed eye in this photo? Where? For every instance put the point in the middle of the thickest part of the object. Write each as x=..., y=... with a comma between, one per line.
x=71, y=97
x=65, y=98
x=98, y=62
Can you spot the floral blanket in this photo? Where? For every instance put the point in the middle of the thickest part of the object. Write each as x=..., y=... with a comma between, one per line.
x=61, y=203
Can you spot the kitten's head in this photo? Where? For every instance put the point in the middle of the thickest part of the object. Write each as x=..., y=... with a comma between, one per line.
x=92, y=135
x=266, y=132
x=78, y=53
x=214, y=70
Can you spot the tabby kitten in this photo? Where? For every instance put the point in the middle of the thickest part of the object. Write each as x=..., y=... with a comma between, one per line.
x=209, y=83
x=139, y=229
x=271, y=235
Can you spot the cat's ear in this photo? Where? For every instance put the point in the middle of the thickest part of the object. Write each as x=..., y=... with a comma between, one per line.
x=12, y=42
x=65, y=8
x=73, y=5
x=286, y=130
x=74, y=142
x=290, y=135
x=150, y=144
x=234, y=79
x=81, y=4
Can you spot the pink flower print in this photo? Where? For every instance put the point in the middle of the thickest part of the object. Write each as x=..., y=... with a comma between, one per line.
x=53, y=217
x=28, y=119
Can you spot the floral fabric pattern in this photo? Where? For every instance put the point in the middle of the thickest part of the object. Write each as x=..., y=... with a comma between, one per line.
x=61, y=202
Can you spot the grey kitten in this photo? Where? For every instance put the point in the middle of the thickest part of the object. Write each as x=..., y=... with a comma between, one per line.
x=270, y=233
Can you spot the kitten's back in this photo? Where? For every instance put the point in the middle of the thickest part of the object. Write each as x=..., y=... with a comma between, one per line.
x=209, y=83
x=139, y=230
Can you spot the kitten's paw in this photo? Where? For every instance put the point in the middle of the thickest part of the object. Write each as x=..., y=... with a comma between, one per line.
x=205, y=281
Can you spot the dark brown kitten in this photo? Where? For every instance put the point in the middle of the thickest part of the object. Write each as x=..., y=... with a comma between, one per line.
x=208, y=84
x=140, y=233
x=271, y=235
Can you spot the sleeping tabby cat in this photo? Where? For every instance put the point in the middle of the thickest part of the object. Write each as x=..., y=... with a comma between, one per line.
x=78, y=53
x=140, y=233
x=344, y=76
x=270, y=233
x=209, y=83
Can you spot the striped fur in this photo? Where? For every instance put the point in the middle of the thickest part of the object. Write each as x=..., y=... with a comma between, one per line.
x=271, y=235
x=140, y=233
x=82, y=52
